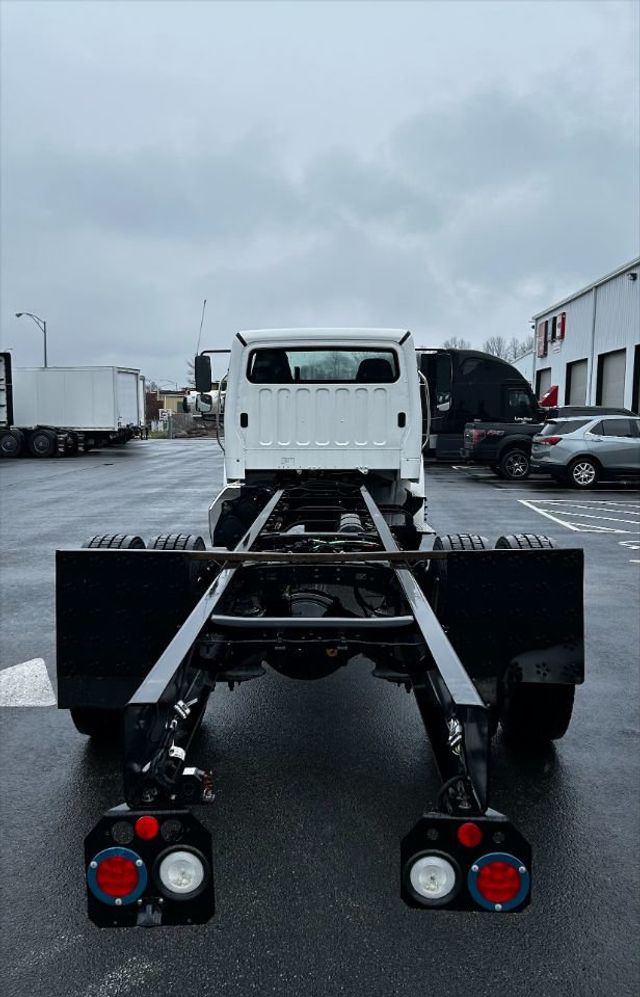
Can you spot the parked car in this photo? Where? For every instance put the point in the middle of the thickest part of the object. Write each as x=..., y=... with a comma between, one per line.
x=582, y=451
x=506, y=446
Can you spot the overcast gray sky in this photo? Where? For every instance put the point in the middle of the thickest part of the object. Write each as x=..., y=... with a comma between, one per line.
x=448, y=167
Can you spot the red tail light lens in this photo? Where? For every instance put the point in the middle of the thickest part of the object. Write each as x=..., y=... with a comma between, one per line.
x=477, y=435
x=147, y=827
x=548, y=440
x=469, y=835
x=498, y=881
x=117, y=876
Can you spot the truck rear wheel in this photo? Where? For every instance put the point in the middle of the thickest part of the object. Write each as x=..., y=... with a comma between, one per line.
x=515, y=464
x=120, y=541
x=98, y=723
x=11, y=443
x=524, y=541
x=536, y=713
x=460, y=541
x=42, y=443
x=177, y=541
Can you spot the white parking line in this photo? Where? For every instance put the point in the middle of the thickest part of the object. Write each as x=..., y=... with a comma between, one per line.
x=573, y=515
x=26, y=684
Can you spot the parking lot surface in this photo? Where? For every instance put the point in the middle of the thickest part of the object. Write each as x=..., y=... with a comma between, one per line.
x=317, y=782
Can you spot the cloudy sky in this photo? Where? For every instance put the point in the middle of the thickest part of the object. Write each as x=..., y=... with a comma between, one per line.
x=448, y=167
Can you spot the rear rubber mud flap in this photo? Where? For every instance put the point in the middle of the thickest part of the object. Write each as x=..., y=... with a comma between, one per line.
x=116, y=611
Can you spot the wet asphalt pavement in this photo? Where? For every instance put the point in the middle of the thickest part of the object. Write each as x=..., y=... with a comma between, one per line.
x=316, y=783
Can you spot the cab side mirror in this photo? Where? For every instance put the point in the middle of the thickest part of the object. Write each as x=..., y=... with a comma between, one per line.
x=202, y=370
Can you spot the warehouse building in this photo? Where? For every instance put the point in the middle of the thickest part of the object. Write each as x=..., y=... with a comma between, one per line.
x=587, y=346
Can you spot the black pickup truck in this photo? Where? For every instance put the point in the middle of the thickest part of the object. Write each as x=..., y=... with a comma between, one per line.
x=506, y=446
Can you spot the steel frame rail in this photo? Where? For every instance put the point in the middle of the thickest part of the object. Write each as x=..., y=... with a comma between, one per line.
x=453, y=713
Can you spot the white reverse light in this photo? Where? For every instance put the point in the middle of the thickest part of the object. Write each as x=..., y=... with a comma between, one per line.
x=432, y=877
x=181, y=872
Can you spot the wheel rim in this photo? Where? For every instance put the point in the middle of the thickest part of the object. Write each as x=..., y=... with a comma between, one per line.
x=584, y=473
x=516, y=465
x=9, y=445
x=41, y=444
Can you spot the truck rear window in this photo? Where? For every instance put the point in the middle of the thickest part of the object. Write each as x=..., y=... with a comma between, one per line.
x=324, y=365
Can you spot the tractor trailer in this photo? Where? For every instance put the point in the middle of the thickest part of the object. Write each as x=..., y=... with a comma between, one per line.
x=319, y=552
x=49, y=411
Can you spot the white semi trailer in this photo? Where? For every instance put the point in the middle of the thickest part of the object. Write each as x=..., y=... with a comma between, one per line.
x=46, y=411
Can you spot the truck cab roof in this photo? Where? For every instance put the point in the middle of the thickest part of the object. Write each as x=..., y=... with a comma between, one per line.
x=257, y=337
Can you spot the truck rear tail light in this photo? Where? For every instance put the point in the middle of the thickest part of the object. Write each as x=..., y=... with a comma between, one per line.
x=181, y=873
x=433, y=878
x=498, y=881
x=158, y=880
x=445, y=864
x=477, y=435
x=117, y=876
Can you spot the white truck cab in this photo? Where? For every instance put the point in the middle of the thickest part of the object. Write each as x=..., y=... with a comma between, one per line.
x=310, y=402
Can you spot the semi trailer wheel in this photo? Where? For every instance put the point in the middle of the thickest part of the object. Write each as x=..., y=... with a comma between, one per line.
x=98, y=723
x=177, y=541
x=42, y=443
x=460, y=541
x=535, y=713
x=121, y=541
x=524, y=541
x=11, y=443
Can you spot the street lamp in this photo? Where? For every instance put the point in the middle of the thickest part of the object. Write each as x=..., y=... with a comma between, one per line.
x=167, y=380
x=42, y=325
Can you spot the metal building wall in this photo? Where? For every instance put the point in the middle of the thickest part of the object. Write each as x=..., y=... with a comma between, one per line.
x=599, y=320
x=617, y=326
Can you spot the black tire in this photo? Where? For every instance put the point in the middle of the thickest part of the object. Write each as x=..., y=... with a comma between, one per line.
x=177, y=541
x=515, y=464
x=536, y=713
x=98, y=723
x=524, y=541
x=120, y=541
x=11, y=443
x=42, y=443
x=583, y=472
x=460, y=541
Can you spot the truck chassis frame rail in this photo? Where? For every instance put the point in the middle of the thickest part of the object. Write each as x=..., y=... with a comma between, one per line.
x=338, y=585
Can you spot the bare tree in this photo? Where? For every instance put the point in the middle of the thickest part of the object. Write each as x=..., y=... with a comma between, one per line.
x=498, y=346
x=456, y=343
x=513, y=348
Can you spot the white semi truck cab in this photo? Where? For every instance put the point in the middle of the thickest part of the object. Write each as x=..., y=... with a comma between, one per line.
x=304, y=403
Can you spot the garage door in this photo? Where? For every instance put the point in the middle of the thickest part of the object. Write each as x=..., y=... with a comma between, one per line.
x=576, y=385
x=611, y=371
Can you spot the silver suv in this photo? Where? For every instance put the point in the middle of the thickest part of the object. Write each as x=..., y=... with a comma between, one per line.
x=581, y=451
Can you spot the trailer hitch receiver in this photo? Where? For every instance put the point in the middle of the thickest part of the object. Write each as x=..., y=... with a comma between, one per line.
x=149, y=869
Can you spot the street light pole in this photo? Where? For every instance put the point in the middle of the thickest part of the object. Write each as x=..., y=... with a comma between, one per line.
x=42, y=325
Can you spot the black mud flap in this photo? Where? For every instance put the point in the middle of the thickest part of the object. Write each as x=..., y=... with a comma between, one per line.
x=147, y=869
x=468, y=864
x=116, y=611
x=513, y=607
